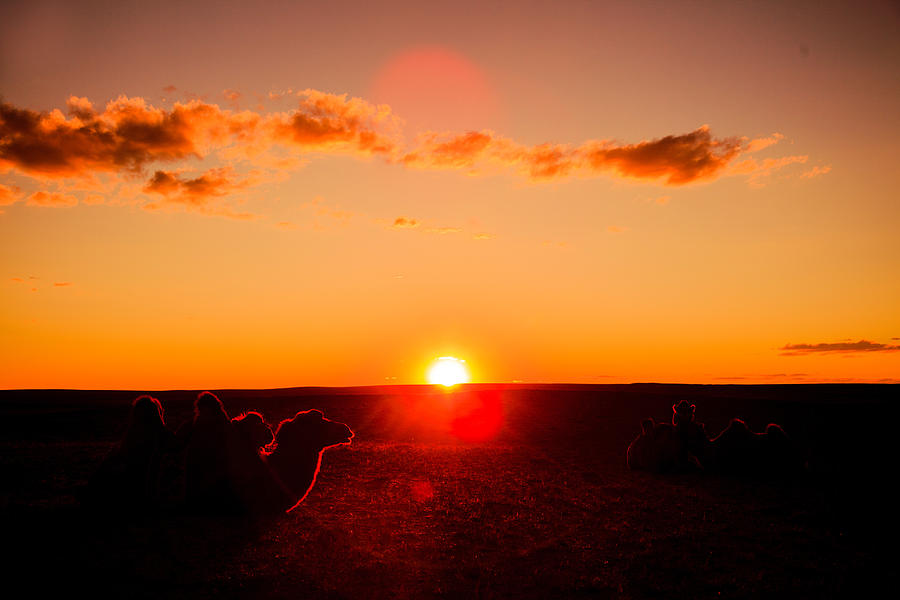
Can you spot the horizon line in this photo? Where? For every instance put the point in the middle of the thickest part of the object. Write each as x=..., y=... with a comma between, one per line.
x=449, y=389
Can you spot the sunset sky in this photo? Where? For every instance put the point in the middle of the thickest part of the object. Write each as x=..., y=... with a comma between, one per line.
x=270, y=194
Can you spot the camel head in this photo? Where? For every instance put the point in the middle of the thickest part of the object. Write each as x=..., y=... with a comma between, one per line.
x=209, y=409
x=683, y=413
x=310, y=430
x=252, y=427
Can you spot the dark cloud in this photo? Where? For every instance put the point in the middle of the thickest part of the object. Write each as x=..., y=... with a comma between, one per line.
x=198, y=190
x=673, y=160
x=125, y=137
x=837, y=347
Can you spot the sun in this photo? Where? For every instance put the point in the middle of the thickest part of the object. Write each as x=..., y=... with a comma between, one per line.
x=448, y=371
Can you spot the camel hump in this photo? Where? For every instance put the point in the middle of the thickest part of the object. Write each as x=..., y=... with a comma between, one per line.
x=739, y=424
x=774, y=430
x=647, y=426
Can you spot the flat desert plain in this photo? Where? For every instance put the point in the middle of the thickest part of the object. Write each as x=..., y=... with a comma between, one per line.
x=487, y=491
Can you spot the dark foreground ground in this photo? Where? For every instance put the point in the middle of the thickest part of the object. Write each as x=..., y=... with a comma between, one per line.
x=426, y=502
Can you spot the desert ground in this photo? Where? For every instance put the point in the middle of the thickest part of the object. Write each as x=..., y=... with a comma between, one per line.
x=479, y=492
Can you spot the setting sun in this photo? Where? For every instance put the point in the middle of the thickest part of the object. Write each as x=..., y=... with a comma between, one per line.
x=448, y=371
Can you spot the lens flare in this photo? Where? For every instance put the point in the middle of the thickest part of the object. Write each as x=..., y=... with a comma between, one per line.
x=448, y=371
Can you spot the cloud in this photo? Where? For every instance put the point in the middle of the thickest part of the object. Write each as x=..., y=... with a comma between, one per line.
x=410, y=223
x=127, y=135
x=129, y=138
x=199, y=190
x=677, y=159
x=62, y=283
x=759, y=169
x=9, y=194
x=760, y=143
x=837, y=347
x=673, y=159
x=130, y=134
x=404, y=223
x=331, y=122
x=457, y=152
x=231, y=95
x=815, y=172
x=616, y=229
x=42, y=198
x=201, y=194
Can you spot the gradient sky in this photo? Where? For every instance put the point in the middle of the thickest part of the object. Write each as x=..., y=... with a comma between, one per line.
x=266, y=194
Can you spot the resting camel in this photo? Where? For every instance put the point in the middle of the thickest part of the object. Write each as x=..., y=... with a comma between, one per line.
x=662, y=447
x=128, y=480
x=296, y=454
x=739, y=450
x=658, y=449
x=269, y=474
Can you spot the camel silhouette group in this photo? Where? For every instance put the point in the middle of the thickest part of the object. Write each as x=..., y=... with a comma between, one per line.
x=227, y=465
x=683, y=445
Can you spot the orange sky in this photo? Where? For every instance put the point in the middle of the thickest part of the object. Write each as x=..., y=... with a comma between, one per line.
x=265, y=195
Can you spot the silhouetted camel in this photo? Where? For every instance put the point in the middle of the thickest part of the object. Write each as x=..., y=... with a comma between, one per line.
x=692, y=434
x=252, y=429
x=207, y=439
x=296, y=454
x=238, y=466
x=128, y=480
x=658, y=449
x=739, y=450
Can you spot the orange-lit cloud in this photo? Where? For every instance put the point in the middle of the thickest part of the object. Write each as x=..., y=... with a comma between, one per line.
x=815, y=172
x=760, y=143
x=404, y=223
x=201, y=194
x=759, y=169
x=130, y=137
x=232, y=96
x=213, y=183
x=42, y=198
x=9, y=194
x=672, y=160
x=127, y=135
x=410, y=223
x=457, y=152
x=676, y=159
x=331, y=122
x=838, y=347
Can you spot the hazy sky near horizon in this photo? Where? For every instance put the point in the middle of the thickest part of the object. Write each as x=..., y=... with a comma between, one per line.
x=235, y=194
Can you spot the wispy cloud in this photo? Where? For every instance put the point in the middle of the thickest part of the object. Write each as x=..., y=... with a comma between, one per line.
x=42, y=198
x=404, y=223
x=837, y=347
x=671, y=160
x=9, y=194
x=816, y=171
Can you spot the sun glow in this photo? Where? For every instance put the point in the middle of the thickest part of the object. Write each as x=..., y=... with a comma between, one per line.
x=448, y=371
